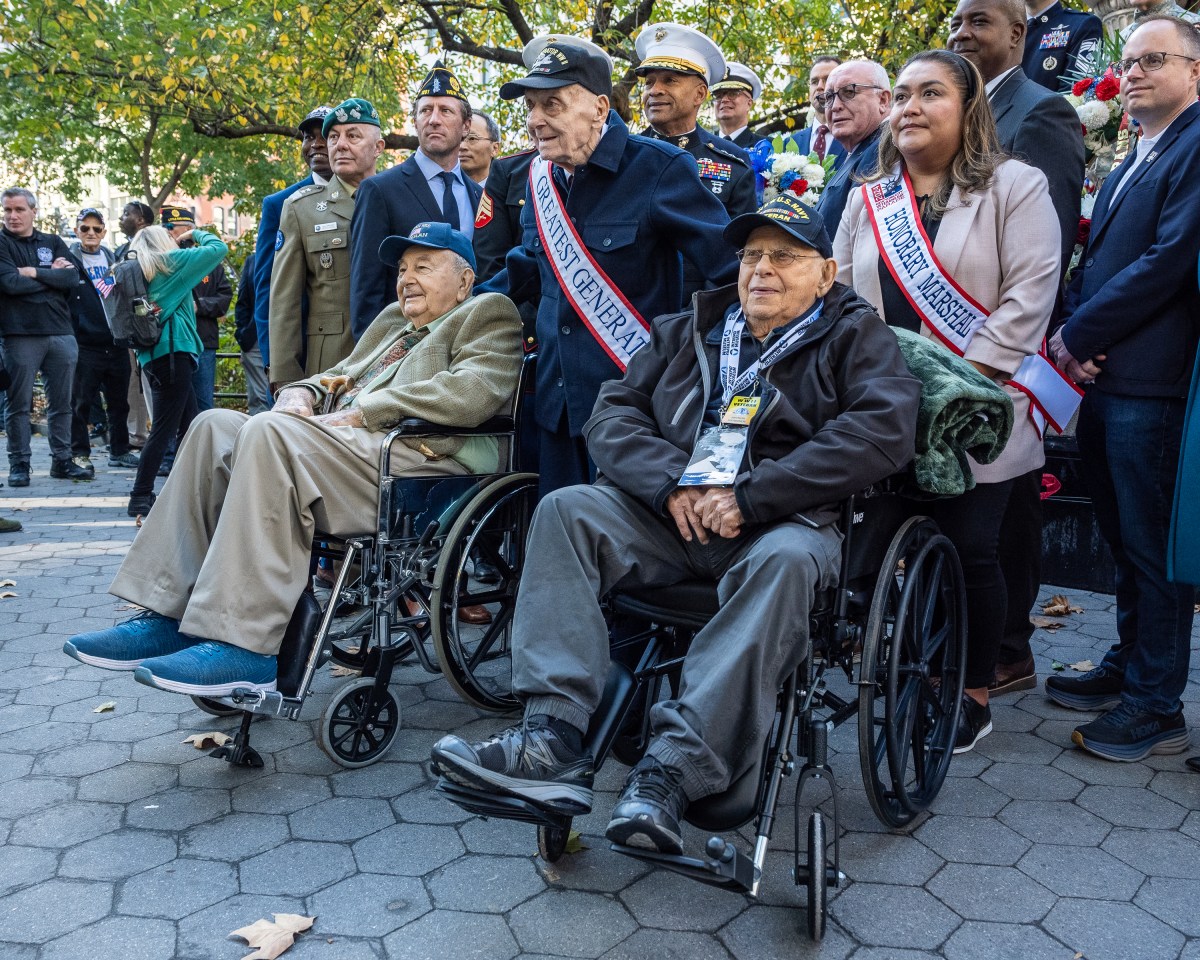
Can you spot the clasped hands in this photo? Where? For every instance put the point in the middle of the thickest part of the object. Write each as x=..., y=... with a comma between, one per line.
x=1081, y=373
x=699, y=510
x=299, y=401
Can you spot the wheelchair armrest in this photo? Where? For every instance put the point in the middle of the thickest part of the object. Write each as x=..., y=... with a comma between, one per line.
x=415, y=427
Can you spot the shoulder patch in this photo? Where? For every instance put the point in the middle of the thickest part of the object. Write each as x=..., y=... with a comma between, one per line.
x=724, y=152
x=307, y=191
x=278, y=239
x=484, y=216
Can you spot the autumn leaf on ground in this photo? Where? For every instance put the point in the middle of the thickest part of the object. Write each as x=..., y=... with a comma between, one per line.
x=128, y=606
x=1056, y=666
x=1083, y=666
x=1060, y=606
x=272, y=939
x=574, y=843
x=8, y=583
x=202, y=741
x=1045, y=623
x=337, y=670
x=108, y=707
x=6, y=594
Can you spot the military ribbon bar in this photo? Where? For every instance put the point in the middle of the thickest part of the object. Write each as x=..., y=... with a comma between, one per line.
x=606, y=312
x=945, y=307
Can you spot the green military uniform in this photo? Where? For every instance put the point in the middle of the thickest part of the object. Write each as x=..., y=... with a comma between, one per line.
x=312, y=259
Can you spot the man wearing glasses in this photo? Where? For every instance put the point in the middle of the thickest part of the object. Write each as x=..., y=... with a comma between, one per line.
x=1130, y=337
x=479, y=147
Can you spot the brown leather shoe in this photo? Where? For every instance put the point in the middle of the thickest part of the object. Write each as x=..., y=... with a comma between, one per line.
x=475, y=613
x=1011, y=677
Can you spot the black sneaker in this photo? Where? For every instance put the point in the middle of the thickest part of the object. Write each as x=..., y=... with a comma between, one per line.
x=140, y=505
x=18, y=475
x=649, y=809
x=1129, y=733
x=69, y=470
x=974, y=723
x=529, y=761
x=1098, y=689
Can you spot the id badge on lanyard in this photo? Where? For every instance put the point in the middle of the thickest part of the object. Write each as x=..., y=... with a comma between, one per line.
x=721, y=447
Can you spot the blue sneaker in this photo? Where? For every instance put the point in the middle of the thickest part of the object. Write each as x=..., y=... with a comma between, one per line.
x=126, y=645
x=209, y=669
x=1129, y=733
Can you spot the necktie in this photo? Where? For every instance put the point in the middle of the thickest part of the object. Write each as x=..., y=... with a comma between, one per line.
x=819, y=142
x=450, y=212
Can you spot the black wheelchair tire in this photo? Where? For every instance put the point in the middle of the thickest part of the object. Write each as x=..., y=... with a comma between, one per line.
x=817, y=899
x=215, y=708
x=510, y=497
x=552, y=842
x=347, y=735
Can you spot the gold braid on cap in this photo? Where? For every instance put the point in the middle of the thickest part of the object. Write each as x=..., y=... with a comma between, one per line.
x=672, y=63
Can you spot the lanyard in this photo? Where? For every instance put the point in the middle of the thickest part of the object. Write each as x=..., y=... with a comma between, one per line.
x=731, y=350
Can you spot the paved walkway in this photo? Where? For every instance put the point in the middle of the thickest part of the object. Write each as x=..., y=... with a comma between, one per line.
x=119, y=841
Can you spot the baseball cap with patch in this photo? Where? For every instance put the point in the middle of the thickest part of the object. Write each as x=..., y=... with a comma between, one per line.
x=354, y=110
x=315, y=118
x=672, y=46
x=435, y=236
x=177, y=217
x=738, y=76
x=790, y=215
x=556, y=61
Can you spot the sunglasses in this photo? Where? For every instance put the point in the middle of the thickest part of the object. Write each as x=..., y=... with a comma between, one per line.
x=83, y=228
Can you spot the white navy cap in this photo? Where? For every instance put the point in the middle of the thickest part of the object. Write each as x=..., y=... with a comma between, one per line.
x=738, y=76
x=672, y=46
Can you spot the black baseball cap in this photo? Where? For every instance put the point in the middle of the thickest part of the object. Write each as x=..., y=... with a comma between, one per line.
x=560, y=62
x=790, y=215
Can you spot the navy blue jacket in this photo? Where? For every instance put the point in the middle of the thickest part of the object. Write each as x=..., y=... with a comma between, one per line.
x=837, y=191
x=639, y=206
x=268, y=226
x=386, y=205
x=1134, y=297
x=1058, y=42
x=804, y=142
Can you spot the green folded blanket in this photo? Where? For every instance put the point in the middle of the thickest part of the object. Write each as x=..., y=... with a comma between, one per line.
x=962, y=412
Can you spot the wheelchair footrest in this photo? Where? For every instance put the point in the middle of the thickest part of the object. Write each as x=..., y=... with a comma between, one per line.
x=504, y=807
x=725, y=866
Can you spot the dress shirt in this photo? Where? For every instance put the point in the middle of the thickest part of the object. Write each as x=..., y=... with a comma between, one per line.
x=433, y=174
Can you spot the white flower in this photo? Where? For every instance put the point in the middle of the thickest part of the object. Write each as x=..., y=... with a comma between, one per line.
x=1094, y=115
x=1088, y=204
x=769, y=193
x=810, y=197
x=781, y=163
x=814, y=173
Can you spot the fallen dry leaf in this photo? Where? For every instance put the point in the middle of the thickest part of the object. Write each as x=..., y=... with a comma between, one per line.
x=108, y=707
x=1056, y=666
x=128, y=606
x=574, y=843
x=272, y=939
x=337, y=670
x=1083, y=666
x=6, y=594
x=8, y=583
x=1045, y=623
x=202, y=741
x=1060, y=606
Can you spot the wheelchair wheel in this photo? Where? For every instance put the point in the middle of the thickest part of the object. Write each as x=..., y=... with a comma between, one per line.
x=215, y=708
x=477, y=659
x=817, y=905
x=911, y=675
x=350, y=733
x=552, y=842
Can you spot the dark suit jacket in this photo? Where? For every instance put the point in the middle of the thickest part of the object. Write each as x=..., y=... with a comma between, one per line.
x=833, y=198
x=268, y=226
x=498, y=223
x=1134, y=297
x=804, y=142
x=746, y=139
x=388, y=204
x=1042, y=129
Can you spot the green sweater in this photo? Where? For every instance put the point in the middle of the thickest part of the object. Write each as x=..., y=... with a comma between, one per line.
x=173, y=293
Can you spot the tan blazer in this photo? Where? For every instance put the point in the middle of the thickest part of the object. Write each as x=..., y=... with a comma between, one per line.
x=1002, y=246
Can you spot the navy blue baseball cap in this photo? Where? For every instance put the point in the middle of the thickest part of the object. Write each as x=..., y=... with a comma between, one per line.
x=789, y=214
x=436, y=236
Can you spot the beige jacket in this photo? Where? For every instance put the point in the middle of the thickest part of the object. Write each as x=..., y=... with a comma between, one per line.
x=460, y=375
x=1002, y=246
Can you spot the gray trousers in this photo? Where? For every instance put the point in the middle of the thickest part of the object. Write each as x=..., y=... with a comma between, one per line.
x=586, y=540
x=226, y=548
x=55, y=357
x=258, y=391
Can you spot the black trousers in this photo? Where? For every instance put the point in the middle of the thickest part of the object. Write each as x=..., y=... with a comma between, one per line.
x=174, y=404
x=1021, y=563
x=100, y=370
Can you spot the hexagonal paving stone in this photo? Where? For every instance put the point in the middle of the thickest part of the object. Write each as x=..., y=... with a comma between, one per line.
x=21, y=866
x=52, y=694
x=128, y=782
x=594, y=868
x=972, y=840
x=1017, y=748
x=342, y=818
x=124, y=937
x=117, y=855
x=279, y=793
x=570, y=923
x=1081, y=872
x=19, y=717
x=178, y=888
x=384, y=780
x=19, y=798
x=668, y=901
x=204, y=934
x=1132, y=807
x=80, y=759
x=661, y=945
x=177, y=809
x=369, y=905
x=1173, y=901
x=1111, y=931
x=134, y=727
x=1002, y=941
x=235, y=836
x=408, y=849
x=66, y=824
x=1091, y=769
x=297, y=868
x=446, y=933
x=968, y=797
x=769, y=933
x=50, y=909
x=13, y=766
x=1003, y=894
x=1024, y=781
x=893, y=916
x=888, y=858
x=1155, y=852
x=1054, y=821
x=425, y=806
x=482, y=884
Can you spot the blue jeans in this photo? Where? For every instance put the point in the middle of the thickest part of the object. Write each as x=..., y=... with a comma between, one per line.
x=1130, y=448
x=204, y=380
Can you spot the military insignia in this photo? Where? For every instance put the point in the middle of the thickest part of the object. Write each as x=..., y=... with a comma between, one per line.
x=484, y=216
x=326, y=259
x=336, y=241
x=454, y=84
x=436, y=86
x=356, y=113
x=341, y=114
x=324, y=227
x=716, y=186
x=1050, y=63
x=683, y=142
x=712, y=170
x=45, y=255
x=660, y=35
x=322, y=205
x=336, y=195
x=1058, y=37
x=278, y=239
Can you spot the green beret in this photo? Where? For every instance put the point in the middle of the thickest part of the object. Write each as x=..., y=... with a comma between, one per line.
x=441, y=82
x=354, y=110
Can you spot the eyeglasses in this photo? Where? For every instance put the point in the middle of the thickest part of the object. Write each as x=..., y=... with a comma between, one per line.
x=83, y=228
x=1149, y=62
x=846, y=93
x=476, y=138
x=778, y=258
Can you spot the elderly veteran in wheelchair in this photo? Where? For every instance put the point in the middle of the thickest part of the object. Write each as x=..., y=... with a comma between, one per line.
x=723, y=454
x=223, y=559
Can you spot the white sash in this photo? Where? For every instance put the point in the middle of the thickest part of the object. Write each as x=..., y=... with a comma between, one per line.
x=604, y=309
x=945, y=307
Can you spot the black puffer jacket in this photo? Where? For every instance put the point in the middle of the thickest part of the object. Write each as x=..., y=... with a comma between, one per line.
x=837, y=415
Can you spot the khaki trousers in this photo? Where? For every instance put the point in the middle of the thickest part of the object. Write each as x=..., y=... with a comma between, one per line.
x=226, y=548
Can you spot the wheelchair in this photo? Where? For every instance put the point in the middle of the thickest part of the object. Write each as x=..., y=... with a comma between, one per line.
x=895, y=626
x=396, y=596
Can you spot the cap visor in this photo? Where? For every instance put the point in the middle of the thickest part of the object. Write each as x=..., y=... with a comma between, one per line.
x=516, y=88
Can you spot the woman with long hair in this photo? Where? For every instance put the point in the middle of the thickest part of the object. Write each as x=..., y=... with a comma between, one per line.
x=170, y=274
x=950, y=238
